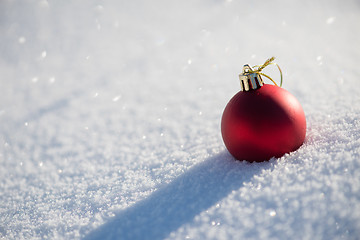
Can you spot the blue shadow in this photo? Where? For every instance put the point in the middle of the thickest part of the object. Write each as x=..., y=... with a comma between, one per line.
x=180, y=201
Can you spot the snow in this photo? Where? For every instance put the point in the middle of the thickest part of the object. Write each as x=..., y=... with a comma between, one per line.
x=110, y=120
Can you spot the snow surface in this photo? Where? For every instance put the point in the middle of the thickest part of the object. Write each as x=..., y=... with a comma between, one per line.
x=110, y=120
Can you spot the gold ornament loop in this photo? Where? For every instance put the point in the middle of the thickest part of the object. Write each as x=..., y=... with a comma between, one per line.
x=261, y=67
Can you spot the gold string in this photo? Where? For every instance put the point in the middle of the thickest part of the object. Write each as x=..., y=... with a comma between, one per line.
x=267, y=63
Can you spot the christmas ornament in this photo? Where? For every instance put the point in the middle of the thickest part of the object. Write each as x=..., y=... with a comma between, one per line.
x=262, y=120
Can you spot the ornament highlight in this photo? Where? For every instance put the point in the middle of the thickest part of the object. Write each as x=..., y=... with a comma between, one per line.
x=262, y=121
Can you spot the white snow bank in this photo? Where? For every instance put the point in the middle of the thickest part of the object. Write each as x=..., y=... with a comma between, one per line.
x=110, y=120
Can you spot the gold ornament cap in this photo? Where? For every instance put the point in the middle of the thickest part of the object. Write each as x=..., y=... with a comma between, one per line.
x=250, y=79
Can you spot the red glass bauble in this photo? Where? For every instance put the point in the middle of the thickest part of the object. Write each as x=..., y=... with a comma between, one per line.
x=263, y=123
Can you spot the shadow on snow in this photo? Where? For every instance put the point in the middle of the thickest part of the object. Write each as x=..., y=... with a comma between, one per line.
x=180, y=201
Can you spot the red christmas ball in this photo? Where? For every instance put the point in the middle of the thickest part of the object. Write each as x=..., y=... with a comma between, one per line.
x=263, y=123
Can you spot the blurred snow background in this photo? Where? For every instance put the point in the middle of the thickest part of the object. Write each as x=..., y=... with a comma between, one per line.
x=110, y=120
